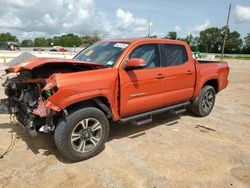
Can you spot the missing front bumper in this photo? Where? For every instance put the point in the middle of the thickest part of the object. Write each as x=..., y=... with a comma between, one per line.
x=7, y=107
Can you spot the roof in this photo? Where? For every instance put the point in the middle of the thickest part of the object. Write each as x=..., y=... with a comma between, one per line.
x=131, y=40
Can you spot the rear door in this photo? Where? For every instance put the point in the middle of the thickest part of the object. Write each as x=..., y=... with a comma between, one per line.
x=142, y=90
x=180, y=73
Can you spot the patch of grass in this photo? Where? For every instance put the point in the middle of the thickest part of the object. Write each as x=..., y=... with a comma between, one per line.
x=203, y=56
x=234, y=57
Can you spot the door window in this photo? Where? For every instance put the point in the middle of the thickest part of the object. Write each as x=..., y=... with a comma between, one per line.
x=174, y=55
x=148, y=52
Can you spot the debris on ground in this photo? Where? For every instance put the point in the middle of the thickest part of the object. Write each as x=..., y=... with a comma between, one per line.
x=21, y=58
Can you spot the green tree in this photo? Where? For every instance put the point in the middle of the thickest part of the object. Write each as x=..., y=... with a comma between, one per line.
x=7, y=37
x=57, y=41
x=211, y=40
x=233, y=42
x=71, y=40
x=68, y=40
x=171, y=35
x=153, y=36
x=192, y=41
x=246, y=46
x=40, y=42
x=50, y=41
x=27, y=43
x=88, y=40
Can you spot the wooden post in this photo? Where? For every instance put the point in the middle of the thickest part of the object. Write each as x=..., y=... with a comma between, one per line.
x=149, y=26
x=225, y=34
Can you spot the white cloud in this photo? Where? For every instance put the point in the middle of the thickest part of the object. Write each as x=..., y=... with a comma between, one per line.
x=51, y=17
x=242, y=13
x=49, y=20
x=201, y=27
x=46, y=17
x=197, y=28
x=177, y=29
x=19, y=3
x=78, y=14
x=79, y=18
x=141, y=22
x=126, y=21
x=28, y=35
x=9, y=21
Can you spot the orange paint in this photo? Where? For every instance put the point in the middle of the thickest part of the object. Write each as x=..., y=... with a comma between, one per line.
x=135, y=91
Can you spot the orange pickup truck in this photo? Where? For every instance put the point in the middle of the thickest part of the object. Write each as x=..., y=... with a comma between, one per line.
x=126, y=80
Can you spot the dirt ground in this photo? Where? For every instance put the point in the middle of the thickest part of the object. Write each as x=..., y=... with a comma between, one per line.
x=173, y=151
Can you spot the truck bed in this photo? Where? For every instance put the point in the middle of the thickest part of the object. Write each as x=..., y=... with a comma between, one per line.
x=208, y=61
x=213, y=70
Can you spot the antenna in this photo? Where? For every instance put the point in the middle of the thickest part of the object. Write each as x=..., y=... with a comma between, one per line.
x=225, y=35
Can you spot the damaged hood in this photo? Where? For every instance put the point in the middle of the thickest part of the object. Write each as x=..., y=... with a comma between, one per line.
x=38, y=62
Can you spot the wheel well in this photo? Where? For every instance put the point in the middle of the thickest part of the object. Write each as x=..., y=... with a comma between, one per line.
x=101, y=103
x=213, y=83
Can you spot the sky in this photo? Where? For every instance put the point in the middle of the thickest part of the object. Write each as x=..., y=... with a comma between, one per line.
x=28, y=19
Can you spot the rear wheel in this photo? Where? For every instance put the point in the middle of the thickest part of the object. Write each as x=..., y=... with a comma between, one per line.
x=204, y=103
x=82, y=134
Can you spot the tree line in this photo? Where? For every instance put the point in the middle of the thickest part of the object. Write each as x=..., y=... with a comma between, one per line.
x=68, y=40
x=209, y=40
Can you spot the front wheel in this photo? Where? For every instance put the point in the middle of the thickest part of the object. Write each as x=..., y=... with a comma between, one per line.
x=204, y=103
x=82, y=134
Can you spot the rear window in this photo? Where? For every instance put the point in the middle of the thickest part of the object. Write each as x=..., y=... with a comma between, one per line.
x=174, y=55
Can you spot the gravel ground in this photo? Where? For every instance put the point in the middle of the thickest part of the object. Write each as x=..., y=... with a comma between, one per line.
x=172, y=151
x=25, y=56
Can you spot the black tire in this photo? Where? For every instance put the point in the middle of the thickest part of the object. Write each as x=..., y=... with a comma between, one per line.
x=73, y=126
x=202, y=105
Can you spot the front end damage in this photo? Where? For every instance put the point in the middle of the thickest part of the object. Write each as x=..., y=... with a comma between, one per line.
x=27, y=101
x=29, y=88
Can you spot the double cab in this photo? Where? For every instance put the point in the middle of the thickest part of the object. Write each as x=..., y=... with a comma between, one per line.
x=126, y=80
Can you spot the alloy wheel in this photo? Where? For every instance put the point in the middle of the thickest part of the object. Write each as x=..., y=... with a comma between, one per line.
x=207, y=102
x=86, y=135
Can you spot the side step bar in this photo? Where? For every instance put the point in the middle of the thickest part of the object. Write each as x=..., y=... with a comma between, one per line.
x=146, y=117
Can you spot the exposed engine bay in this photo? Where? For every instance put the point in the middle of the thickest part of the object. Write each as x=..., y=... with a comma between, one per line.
x=27, y=91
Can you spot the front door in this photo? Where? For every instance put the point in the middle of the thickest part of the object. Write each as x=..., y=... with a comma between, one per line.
x=142, y=90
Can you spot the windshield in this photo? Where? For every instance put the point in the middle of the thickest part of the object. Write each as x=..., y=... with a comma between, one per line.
x=105, y=53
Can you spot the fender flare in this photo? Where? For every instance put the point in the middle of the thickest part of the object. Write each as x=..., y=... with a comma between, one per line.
x=95, y=97
x=202, y=82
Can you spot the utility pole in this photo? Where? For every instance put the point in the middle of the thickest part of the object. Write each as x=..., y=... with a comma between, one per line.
x=149, y=26
x=225, y=35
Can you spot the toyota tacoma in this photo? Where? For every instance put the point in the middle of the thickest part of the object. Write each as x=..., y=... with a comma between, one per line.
x=125, y=80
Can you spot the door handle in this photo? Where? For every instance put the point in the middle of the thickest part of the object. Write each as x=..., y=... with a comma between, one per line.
x=159, y=76
x=189, y=72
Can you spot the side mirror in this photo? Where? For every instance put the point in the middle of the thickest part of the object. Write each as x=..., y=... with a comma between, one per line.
x=135, y=63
